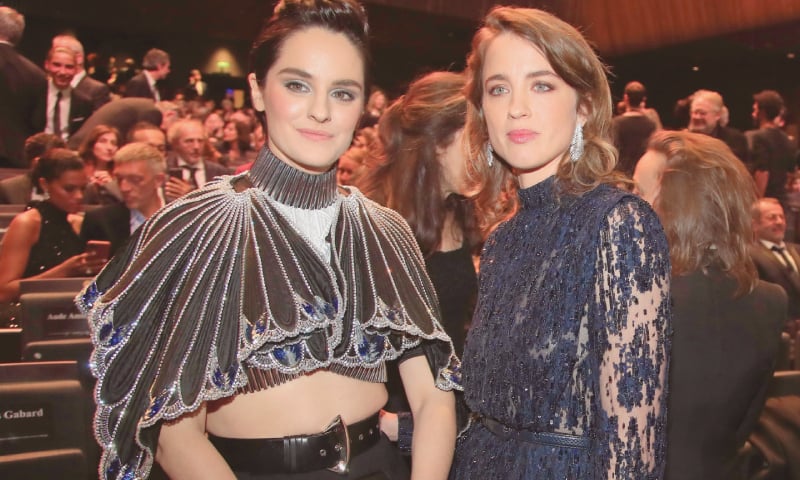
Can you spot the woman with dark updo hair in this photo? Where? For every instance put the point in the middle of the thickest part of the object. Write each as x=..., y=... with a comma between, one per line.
x=245, y=331
x=43, y=242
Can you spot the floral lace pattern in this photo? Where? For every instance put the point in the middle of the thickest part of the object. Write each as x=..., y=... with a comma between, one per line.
x=570, y=336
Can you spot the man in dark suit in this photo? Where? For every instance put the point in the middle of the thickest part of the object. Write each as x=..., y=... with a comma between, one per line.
x=66, y=109
x=187, y=166
x=632, y=128
x=22, y=92
x=156, y=66
x=98, y=92
x=139, y=172
x=196, y=88
x=777, y=261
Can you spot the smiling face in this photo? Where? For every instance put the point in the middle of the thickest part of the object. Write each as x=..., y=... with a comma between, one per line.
x=704, y=116
x=62, y=67
x=771, y=223
x=530, y=111
x=312, y=96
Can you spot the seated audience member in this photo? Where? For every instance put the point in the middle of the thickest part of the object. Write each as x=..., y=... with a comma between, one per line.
x=170, y=113
x=777, y=261
x=792, y=207
x=726, y=322
x=632, y=128
x=705, y=113
x=139, y=172
x=350, y=165
x=235, y=146
x=376, y=104
x=97, y=153
x=19, y=189
x=150, y=134
x=213, y=125
x=43, y=242
x=121, y=114
x=188, y=168
x=257, y=141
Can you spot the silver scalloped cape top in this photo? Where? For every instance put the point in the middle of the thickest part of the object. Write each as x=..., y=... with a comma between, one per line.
x=219, y=283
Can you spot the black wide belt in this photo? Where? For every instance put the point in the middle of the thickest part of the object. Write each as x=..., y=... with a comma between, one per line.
x=332, y=449
x=529, y=436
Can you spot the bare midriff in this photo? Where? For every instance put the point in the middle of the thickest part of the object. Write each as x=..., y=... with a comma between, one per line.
x=303, y=406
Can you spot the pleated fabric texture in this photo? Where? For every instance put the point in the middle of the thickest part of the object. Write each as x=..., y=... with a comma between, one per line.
x=220, y=284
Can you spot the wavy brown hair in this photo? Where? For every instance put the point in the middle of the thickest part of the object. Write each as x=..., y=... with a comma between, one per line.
x=572, y=59
x=403, y=170
x=86, y=149
x=705, y=200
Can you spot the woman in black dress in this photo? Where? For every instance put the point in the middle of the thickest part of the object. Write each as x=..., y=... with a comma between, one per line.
x=43, y=242
x=418, y=169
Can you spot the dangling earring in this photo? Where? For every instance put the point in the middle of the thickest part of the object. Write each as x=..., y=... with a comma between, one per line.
x=576, y=147
x=489, y=154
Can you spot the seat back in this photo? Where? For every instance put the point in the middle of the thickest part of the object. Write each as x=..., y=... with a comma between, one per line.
x=43, y=421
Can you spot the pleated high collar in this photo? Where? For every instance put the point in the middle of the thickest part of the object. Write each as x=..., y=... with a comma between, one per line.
x=291, y=186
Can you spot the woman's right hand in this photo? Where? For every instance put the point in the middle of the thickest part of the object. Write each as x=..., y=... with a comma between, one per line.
x=101, y=177
x=81, y=265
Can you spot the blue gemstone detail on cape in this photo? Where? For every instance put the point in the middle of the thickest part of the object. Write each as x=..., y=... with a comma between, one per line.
x=90, y=295
x=289, y=355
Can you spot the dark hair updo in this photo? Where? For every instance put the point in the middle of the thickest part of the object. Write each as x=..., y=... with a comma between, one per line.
x=53, y=164
x=290, y=16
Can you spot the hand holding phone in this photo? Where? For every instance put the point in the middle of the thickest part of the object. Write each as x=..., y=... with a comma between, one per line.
x=98, y=250
x=93, y=259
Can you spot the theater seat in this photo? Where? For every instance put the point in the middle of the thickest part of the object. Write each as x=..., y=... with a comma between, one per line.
x=61, y=464
x=44, y=426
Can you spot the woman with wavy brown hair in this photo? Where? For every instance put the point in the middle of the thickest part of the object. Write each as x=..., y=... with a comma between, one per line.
x=97, y=152
x=727, y=323
x=418, y=168
x=565, y=364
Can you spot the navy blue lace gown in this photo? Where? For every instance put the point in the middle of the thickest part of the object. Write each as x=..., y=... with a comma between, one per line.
x=565, y=366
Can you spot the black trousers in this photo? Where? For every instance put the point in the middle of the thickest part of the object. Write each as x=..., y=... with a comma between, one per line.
x=381, y=462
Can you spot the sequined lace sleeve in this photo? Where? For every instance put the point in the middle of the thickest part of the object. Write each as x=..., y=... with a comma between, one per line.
x=632, y=293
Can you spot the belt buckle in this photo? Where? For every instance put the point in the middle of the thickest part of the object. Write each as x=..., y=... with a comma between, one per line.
x=339, y=429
